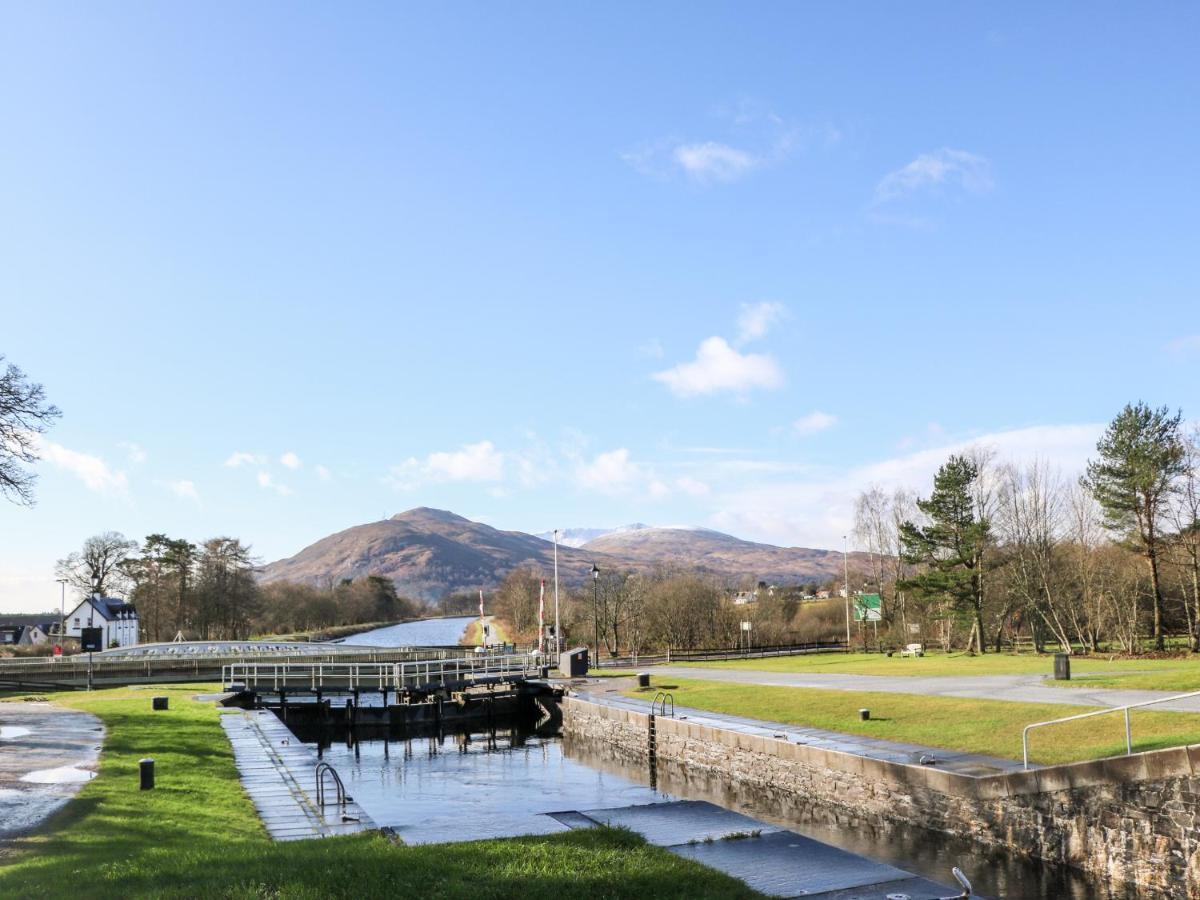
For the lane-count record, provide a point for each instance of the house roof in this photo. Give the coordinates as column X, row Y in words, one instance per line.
column 109, row 607
column 39, row 619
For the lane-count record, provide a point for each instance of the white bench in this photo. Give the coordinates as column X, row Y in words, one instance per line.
column 913, row 650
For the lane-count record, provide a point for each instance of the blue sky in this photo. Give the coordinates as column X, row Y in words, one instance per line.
column 289, row 268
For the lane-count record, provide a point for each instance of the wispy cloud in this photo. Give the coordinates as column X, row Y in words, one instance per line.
column 718, row 367
column 611, row 472
column 1184, row 346
column 185, row 490
column 946, row 167
column 323, row 473
column 134, row 452
column 290, row 460
column 756, row 319
column 713, row 161
column 814, row 422
column 480, row 462
column 241, row 458
column 268, row 483
column 94, row 472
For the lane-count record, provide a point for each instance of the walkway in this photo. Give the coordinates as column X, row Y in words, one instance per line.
column 872, row 748
column 775, row 862
column 1017, row 688
column 277, row 772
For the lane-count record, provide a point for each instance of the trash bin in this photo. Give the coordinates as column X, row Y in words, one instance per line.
column 1062, row 667
column 146, row 773
column 574, row 663
column 643, row 679
column 159, row 703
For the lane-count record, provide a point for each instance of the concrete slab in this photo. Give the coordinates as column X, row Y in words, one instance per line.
column 678, row 822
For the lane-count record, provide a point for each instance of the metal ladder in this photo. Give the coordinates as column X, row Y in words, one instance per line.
column 323, row 769
column 659, row 705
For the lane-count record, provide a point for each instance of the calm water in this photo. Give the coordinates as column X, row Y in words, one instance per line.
column 477, row 785
column 425, row 633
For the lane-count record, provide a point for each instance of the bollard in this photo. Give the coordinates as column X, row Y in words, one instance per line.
column 644, row 679
column 146, row 770
column 159, row 703
column 864, row 714
column 1062, row 667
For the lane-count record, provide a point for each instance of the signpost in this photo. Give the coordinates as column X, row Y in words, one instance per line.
column 91, row 640
column 746, row 626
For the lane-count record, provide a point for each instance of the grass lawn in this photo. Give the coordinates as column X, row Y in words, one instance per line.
column 1172, row 671
column 989, row 727
column 197, row 835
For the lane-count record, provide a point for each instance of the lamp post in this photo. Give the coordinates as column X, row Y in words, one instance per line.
column 557, row 638
column 596, row 607
column 846, row 569
column 62, row 613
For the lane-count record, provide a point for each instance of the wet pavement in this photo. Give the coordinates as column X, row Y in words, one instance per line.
column 872, row 748
column 46, row 754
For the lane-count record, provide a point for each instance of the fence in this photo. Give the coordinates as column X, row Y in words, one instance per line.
column 397, row 676
column 722, row 653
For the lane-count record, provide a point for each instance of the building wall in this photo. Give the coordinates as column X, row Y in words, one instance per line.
column 1132, row 819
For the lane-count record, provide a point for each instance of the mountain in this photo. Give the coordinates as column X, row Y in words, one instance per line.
column 714, row 553
column 431, row 552
column 428, row 553
column 577, row 537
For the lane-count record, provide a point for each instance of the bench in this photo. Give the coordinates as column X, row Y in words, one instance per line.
column 913, row 650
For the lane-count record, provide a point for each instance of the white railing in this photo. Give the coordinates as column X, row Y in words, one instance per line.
column 1102, row 712
column 376, row 676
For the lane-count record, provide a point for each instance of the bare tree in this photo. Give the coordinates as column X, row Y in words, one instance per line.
column 1184, row 515
column 97, row 568
column 24, row 414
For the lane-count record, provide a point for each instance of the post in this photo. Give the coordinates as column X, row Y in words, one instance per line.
column 1128, row 735
column 846, row 572
column 557, row 637
column 146, row 771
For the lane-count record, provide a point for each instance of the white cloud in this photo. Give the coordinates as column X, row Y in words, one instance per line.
column 1184, row 346
column 815, row 511
column 653, row 349
column 323, row 473
column 967, row 171
column 184, row 489
column 712, row 161
column 610, row 473
column 135, row 453
column 812, row 423
column 692, row 487
column 241, row 458
column 94, row 472
column 719, row 367
column 480, row 462
column 290, row 460
column 756, row 319
column 266, row 482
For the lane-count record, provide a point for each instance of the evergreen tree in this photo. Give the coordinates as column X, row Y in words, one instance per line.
column 950, row 549
column 1142, row 456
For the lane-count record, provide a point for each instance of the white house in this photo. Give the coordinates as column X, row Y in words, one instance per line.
column 117, row 619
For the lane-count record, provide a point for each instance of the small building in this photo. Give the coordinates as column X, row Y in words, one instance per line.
column 26, row 631
column 117, row 620
column 741, row 598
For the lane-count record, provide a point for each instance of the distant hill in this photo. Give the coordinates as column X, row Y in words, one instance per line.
column 714, row 553
column 431, row 552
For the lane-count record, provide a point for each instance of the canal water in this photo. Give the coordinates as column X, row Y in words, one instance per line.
column 478, row 784
column 424, row 633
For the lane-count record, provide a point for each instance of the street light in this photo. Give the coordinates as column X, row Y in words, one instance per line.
column 596, row 607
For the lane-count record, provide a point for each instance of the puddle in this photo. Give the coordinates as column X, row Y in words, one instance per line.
column 61, row 775
column 12, row 732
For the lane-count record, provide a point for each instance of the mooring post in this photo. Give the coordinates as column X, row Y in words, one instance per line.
column 146, row 772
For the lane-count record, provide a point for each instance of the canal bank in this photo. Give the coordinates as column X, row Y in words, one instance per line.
column 1129, row 821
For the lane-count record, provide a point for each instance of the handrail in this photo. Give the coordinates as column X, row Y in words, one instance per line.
column 323, row 769
column 665, row 697
column 379, row 676
column 1101, row 712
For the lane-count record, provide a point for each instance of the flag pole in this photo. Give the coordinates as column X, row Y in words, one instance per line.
column 542, row 618
column 557, row 636
column 482, row 622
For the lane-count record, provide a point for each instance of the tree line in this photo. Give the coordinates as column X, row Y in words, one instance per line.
column 209, row 590
column 1002, row 552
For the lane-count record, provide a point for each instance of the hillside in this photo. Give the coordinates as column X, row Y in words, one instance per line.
column 714, row 553
column 430, row 553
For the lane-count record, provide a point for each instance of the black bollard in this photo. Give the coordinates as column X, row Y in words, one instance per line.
column 146, row 770
column 159, row 703
column 864, row 714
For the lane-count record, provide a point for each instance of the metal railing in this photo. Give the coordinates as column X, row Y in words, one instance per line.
column 377, row 676
column 708, row 654
column 658, row 707
column 1101, row 712
column 323, row 769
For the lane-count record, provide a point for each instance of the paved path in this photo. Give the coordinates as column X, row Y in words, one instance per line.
column 771, row 860
column 859, row 745
column 46, row 754
column 1021, row 688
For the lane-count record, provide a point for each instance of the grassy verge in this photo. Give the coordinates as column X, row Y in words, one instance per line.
column 1173, row 669
column 988, row 727
column 500, row 633
column 197, row 835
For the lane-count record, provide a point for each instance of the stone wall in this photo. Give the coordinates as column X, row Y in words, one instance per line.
column 1129, row 819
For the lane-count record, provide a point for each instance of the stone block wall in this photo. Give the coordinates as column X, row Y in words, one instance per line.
column 1129, row 819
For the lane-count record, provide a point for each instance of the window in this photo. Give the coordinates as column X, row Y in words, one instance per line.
column 77, row 620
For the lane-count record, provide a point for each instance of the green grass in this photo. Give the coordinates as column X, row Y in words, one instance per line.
column 988, row 727
column 1173, row 669
column 197, row 835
